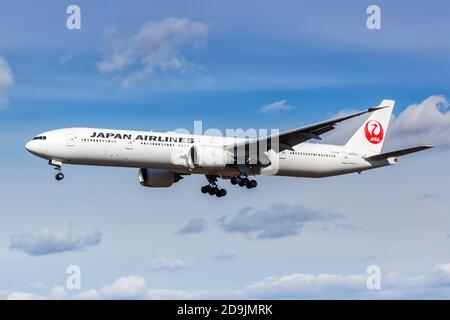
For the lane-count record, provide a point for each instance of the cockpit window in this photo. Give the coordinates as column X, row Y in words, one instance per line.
column 40, row 138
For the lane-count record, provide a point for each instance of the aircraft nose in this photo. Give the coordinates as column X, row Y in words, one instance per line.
column 35, row 147
column 29, row 146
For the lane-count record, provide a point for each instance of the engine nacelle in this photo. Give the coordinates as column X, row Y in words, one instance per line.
column 210, row 157
column 158, row 178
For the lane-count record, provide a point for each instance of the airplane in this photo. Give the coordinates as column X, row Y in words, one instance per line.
column 164, row 158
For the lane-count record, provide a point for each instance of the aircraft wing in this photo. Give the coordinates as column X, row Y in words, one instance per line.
column 398, row 153
column 290, row 138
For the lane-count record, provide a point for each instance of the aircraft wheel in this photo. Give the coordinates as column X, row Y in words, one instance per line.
column 59, row 176
column 221, row 193
column 234, row 180
column 252, row 183
column 215, row 190
column 205, row 189
column 243, row 182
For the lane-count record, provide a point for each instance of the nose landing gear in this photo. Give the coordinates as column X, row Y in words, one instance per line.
column 57, row 165
column 59, row 176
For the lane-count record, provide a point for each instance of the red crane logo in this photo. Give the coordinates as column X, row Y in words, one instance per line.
column 374, row 131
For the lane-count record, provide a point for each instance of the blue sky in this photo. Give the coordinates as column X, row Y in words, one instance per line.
column 225, row 62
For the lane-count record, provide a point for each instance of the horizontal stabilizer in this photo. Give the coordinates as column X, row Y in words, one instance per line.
column 398, row 153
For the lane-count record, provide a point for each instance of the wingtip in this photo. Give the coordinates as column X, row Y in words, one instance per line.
column 376, row 108
column 386, row 103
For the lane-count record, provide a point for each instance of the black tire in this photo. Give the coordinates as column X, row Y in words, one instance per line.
column 244, row 182
column 216, row 190
column 222, row 192
column 253, row 183
column 204, row 189
column 234, row 180
column 59, row 176
column 211, row 191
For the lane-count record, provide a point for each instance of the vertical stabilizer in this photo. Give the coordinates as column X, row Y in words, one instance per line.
column 369, row 138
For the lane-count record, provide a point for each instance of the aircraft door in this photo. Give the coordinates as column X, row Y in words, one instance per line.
column 70, row 140
column 344, row 157
column 129, row 145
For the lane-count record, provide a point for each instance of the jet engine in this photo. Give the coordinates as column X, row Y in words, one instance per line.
column 158, row 178
column 210, row 157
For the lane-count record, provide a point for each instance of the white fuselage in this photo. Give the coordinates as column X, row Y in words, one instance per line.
column 148, row 149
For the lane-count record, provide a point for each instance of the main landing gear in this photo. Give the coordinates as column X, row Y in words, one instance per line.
column 244, row 181
column 57, row 165
column 212, row 188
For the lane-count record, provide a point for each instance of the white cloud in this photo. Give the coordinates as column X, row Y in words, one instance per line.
column 170, row 294
column 434, row 284
column 307, row 286
column 23, row 296
column 91, row 294
column 280, row 105
column 166, row 264
column 58, row 292
column 427, row 122
column 127, row 287
column 134, row 287
column 196, row 225
column 275, row 221
column 49, row 241
column 6, row 80
column 430, row 285
column 155, row 48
